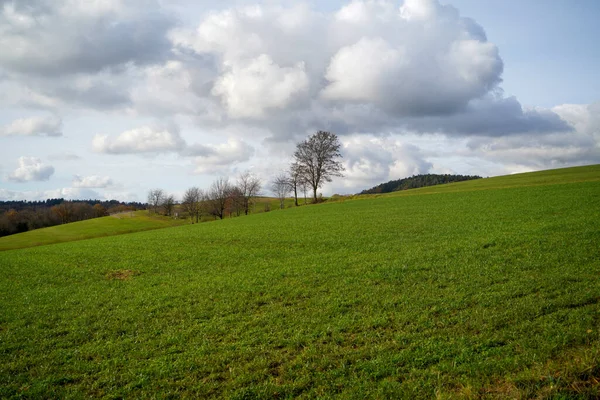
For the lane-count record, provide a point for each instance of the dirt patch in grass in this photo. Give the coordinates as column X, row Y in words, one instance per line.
column 121, row 274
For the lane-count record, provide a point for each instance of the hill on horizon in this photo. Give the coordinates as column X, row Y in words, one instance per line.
column 418, row 181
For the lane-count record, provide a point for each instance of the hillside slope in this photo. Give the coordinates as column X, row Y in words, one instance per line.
column 417, row 181
column 486, row 292
column 117, row 224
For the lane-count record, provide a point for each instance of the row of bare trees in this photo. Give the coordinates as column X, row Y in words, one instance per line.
column 316, row 161
column 222, row 198
column 158, row 199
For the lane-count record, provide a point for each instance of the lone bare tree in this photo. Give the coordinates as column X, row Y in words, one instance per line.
column 296, row 180
column 249, row 187
column 218, row 196
column 281, row 187
column 155, row 198
column 168, row 204
column 235, row 201
column 191, row 203
column 317, row 157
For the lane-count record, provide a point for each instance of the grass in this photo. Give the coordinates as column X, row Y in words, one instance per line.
column 117, row 224
column 549, row 177
column 464, row 294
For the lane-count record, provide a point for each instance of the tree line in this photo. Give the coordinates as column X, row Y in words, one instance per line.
column 315, row 161
column 221, row 199
column 418, row 181
column 22, row 216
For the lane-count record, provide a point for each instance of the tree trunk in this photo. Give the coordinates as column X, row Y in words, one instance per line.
column 315, row 193
column 296, row 195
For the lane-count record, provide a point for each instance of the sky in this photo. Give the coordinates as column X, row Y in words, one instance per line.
column 107, row 99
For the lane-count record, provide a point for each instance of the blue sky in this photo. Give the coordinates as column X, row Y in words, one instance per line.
column 108, row 99
column 549, row 47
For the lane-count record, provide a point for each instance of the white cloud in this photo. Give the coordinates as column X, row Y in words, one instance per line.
column 362, row 71
column 584, row 117
column 92, row 181
column 289, row 69
column 221, row 157
column 252, row 89
column 176, row 87
column 418, row 9
column 33, row 126
column 370, row 67
column 369, row 159
column 578, row 146
column 31, row 169
column 424, row 60
column 146, row 139
column 37, row 37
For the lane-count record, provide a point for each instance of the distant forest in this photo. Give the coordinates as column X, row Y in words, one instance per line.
column 22, row 216
column 418, row 181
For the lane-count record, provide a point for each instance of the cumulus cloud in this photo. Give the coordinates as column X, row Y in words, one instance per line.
column 31, row 169
column 372, row 66
column 177, row 87
column 423, row 60
column 375, row 67
column 146, row 139
column 491, row 116
column 92, row 181
column 33, row 126
column 253, row 88
column 37, row 37
column 207, row 158
column 584, row 117
column 221, row 157
column 47, row 66
column 577, row 146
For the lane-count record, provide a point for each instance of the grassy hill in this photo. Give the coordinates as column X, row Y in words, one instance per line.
column 486, row 288
column 117, row 224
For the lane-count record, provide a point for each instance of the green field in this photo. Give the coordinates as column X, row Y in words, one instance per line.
column 480, row 289
column 117, row 224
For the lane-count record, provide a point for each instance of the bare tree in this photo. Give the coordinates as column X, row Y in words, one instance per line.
column 296, row 180
column 155, row 198
column 249, row 187
column 317, row 157
column 218, row 196
column 281, row 187
column 235, row 202
column 192, row 199
column 168, row 204
column 304, row 188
